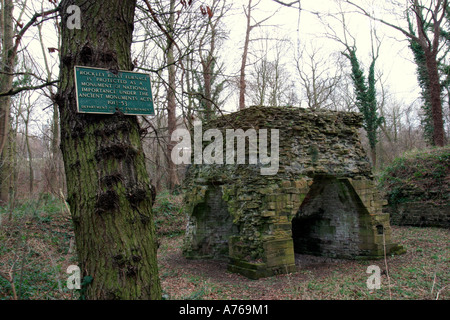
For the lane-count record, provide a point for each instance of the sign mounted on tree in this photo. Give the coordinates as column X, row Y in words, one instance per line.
column 106, row 91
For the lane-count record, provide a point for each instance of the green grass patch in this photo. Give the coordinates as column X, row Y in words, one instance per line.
column 34, row 250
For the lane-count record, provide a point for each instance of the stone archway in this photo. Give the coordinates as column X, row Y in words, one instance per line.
column 213, row 227
column 328, row 222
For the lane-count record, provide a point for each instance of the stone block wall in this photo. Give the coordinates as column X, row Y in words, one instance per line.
column 419, row 214
column 213, row 226
column 417, row 186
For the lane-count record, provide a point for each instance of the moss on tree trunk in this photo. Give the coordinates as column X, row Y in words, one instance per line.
column 107, row 182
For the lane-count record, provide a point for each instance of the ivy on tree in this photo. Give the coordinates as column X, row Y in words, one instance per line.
column 366, row 99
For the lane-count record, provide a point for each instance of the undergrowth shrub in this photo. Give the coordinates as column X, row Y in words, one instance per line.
column 421, row 175
column 168, row 214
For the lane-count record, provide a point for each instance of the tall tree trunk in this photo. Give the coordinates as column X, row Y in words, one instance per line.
column 6, row 78
column 207, row 73
column 55, row 157
column 435, row 99
column 30, row 155
column 107, row 182
column 206, row 65
column 7, row 68
column 430, row 49
column 171, row 102
column 242, row 83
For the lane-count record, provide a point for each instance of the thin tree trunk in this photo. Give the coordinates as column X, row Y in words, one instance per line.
column 5, row 173
column 55, row 158
column 242, row 83
column 171, row 102
column 30, row 156
column 189, row 88
column 207, row 82
column 107, row 183
column 206, row 66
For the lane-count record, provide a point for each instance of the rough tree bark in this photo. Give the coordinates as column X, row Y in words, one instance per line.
column 431, row 49
column 435, row 97
column 8, row 56
column 107, row 182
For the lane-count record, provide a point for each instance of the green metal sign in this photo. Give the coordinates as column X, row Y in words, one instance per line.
column 104, row 91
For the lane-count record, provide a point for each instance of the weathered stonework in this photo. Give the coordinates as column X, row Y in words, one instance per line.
column 322, row 200
column 417, row 186
column 419, row 214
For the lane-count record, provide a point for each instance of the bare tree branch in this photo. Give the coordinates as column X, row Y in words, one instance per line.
column 30, row 23
column 290, row 4
column 14, row 91
column 367, row 14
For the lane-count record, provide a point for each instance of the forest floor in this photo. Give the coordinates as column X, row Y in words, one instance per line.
column 36, row 247
column 422, row 273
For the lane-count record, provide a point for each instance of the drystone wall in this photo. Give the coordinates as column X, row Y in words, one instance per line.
column 322, row 200
column 419, row 214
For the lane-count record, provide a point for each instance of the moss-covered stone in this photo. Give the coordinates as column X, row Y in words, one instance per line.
column 324, row 184
column 417, row 187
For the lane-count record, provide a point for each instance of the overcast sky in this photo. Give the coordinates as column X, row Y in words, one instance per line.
column 395, row 59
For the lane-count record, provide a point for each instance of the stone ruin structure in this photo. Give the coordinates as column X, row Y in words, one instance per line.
column 322, row 201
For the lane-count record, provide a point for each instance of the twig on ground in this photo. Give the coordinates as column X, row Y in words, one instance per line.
column 10, row 279
column 439, row 292
column 386, row 265
column 434, row 282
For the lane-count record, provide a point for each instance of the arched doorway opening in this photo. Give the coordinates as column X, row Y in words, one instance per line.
column 328, row 220
column 214, row 226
